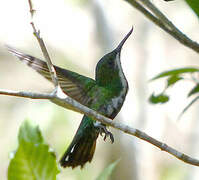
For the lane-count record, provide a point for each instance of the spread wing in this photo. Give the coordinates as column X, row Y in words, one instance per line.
column 73, row 84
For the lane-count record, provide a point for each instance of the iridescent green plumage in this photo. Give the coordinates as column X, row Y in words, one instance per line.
column 105, row 94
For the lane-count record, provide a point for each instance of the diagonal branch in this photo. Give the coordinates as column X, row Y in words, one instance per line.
column 32, row 11
column 44, row 49
column 75, row 106
column 163, row 22
column 149, row 15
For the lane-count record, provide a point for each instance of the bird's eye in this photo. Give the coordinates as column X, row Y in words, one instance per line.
column 110, row 63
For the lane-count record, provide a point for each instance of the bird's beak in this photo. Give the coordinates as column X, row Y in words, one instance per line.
column 119, row 47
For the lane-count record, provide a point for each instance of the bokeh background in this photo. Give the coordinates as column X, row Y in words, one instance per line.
column 78, row 33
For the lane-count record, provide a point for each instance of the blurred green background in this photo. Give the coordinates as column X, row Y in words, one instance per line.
column 77, row 34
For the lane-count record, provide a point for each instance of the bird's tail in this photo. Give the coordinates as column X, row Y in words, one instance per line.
column 82, row 148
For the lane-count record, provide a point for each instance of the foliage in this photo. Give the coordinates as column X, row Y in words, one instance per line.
column 194, row 4
column 33, row 158
column 174, row 76
column 160, row 98
column 176, row 72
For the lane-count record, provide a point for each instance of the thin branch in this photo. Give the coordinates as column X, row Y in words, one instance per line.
column 32, row 11
column 70, row 103
column 157, row 12
column 175, row 31
column 163, row 22
column 188, row 106
column 149, row 15
column 30, row 95
column 44, row 50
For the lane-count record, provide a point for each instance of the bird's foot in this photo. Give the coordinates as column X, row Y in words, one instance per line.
column 102, row 129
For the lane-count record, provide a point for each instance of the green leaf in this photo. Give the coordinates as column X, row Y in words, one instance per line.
column 105, row 174
column 161, row 98
column 33, row 159
column 175, row 72
column 188, row 106
column 194, row 4
column 29, row 133
column 194, row 90
column 173, row 79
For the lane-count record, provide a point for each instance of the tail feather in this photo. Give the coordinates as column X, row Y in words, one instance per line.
column 82, row 148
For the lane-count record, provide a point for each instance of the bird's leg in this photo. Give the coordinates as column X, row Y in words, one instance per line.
column 102, row 129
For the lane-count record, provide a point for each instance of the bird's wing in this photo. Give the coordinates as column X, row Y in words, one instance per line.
column 73, row 84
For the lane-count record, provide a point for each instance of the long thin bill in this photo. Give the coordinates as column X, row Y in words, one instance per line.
column 119, row 47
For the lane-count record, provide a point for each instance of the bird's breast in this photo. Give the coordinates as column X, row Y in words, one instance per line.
column 111, row 106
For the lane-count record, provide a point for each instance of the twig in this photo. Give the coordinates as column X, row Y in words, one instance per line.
column 163, row 22
column 44, row 51
column 32, row 11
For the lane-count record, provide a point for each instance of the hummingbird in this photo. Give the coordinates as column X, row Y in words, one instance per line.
column 106, row 95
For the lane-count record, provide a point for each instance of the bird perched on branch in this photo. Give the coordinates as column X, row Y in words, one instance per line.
column 105, row 94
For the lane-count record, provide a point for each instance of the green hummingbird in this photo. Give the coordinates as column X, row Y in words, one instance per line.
column 105, row 94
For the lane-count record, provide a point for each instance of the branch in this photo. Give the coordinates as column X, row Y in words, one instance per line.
column 44, row 49
column 64, row 101
column 30, row 95
column 163, row 22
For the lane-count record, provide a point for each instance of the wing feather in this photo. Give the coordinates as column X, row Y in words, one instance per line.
column 73, row 84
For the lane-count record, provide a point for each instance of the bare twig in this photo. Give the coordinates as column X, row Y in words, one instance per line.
column 163, row 22
column 32, row 11
column 44, row 51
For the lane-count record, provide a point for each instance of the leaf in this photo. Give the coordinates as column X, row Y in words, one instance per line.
column 33, row 159
column 29, row 133
column 194, row 90
column 161, row 98
column 194, row 4
column 175, row 72
column 173, row 79
column 105, row 174
column 188, row 106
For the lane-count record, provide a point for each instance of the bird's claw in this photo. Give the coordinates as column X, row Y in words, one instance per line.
column 102, row 129
column 108, row 133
